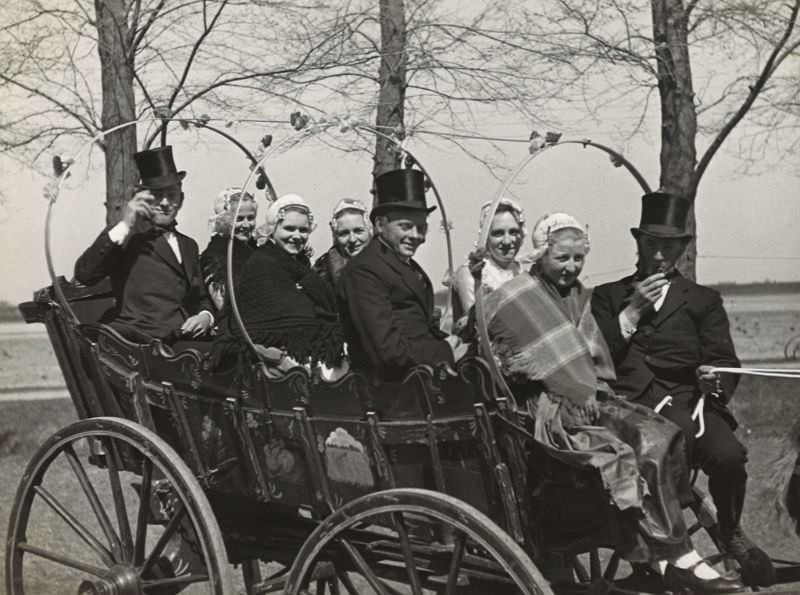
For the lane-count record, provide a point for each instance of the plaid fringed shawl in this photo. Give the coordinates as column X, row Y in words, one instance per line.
column 539, row 335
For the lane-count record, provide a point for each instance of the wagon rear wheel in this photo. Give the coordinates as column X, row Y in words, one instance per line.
column 107, row 507
column 414, row 541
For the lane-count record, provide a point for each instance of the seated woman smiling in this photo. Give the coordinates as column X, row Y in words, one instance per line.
column 499, row 257
column 231, row 203
column 289, row 311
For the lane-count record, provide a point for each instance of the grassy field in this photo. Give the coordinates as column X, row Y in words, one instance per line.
column 28, row 360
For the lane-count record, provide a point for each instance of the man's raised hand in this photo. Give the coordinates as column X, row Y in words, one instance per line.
column 138, row 207
column 646, row 294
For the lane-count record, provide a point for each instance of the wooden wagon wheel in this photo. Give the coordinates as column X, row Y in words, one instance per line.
column 133, row 521
column 373, row 546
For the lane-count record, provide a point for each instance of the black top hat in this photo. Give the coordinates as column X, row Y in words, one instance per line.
column 157, row 168
column 664, row 215
column 399, row 189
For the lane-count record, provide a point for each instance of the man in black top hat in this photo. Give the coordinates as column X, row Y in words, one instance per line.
column 386, row 299
column 154, row 269
column 666, row 334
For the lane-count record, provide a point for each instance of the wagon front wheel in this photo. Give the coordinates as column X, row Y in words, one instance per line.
column 414, row 541
column 107, row 507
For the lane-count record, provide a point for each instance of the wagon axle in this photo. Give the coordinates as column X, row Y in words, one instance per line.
column 120, row 580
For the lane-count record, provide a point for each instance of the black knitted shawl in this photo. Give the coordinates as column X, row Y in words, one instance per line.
column 284, row 303
column 214, row 259
column 329, row 266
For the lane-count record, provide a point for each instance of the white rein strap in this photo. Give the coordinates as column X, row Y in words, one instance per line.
column 770, row 372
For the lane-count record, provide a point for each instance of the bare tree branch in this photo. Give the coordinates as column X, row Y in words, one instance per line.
column 777, row 55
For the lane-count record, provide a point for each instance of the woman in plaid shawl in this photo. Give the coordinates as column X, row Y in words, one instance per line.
column 551, row 350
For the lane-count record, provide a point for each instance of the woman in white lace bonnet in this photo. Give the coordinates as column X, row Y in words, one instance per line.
column 214, row 259
column 351, row 230
column 498, row 258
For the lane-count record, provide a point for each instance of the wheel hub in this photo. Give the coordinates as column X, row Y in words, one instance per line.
column 119, row 580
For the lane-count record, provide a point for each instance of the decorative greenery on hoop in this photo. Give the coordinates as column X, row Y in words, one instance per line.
column 537, row 146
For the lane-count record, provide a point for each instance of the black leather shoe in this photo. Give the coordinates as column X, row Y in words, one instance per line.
column 756, row 566
column 685, row 581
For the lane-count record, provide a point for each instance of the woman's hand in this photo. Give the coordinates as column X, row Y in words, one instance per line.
column 476, row 261
column 591, row 410
column 270, row 355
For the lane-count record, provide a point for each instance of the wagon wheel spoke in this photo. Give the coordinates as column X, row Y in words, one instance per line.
column 580, row 570
column 613, row 566
column 594, row 564
column 459, row 548
column 347, row 582
column 408, row 553
column 63, row 560
column 169, row 531
column 376, row 583
column 82, row 532
column 112, row 457
column 325, row 585
column 141, row 516
column 177, row 581
column 94, row 501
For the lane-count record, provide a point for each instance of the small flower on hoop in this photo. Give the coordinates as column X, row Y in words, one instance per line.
column 298, row 120
column 537, row 142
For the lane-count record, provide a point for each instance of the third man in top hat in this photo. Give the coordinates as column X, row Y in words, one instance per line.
column 386, row 299
column 666, row 334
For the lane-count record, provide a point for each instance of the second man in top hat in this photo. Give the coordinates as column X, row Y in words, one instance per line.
column 666, row 333
column 154, row 269
column 386, row 299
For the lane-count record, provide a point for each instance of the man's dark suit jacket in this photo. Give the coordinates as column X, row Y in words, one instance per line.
column 154, row 293
column 387, row 312
column 690, row 329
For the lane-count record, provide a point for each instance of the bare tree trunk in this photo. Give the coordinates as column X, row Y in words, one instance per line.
column 392, row 76
column 678, row 116
column 116, row 61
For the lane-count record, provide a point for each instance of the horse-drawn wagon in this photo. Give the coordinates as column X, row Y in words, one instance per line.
column 174, row 471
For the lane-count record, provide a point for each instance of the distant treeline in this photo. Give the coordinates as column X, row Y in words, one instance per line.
column 758, row 288
column 9, row 312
